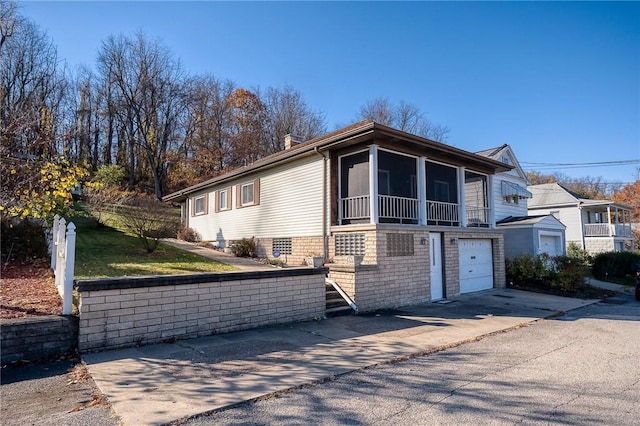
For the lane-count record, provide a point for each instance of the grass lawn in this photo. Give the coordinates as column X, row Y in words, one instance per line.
column 110, row 252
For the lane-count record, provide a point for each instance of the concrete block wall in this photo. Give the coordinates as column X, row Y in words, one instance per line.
column 595, row 245
column 123, row 312
column 36, row 338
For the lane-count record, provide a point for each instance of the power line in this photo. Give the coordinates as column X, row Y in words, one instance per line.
column 547, row 166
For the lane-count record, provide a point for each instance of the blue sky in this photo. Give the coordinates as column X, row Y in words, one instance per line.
column 558, row 81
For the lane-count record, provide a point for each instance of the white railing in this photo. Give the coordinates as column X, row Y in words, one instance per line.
column 397, row 207
column 63, row 254
column 477, row 216
column 606, row 230
column 354, row 207
column 443, row 213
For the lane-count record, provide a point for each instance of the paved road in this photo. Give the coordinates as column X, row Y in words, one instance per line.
column 582, row 368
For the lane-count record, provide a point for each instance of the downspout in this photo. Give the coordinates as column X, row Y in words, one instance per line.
column 584, row 244
column 325, row 236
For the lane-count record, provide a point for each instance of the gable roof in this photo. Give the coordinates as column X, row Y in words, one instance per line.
column 500, row 152
column 515, row 221
column 554, row 194
column 348, row 136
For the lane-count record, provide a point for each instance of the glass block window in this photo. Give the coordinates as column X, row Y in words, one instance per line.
column 350, row 244
column 399, row 245
column 283, row 245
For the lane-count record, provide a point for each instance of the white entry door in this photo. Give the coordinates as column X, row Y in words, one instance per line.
column 476, row 265
column 435, row 260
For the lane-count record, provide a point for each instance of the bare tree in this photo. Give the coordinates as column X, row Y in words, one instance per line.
column 32, row 87
column 405, row 116
column 288, row 113
column 151, row 98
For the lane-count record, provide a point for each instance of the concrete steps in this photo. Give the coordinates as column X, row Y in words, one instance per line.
column 336, row 305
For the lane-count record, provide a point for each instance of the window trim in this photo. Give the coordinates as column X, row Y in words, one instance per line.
column 205, row 205
column 227, row 199
column 256, row 194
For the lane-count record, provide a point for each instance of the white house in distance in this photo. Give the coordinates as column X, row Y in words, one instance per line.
column 419, row 212
column 523, row 234
column 594, row 225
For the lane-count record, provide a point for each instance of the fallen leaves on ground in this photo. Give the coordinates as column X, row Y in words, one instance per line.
column 27, row 289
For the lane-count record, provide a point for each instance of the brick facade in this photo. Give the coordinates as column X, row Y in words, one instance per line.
column 385, row 281
column 123, row 312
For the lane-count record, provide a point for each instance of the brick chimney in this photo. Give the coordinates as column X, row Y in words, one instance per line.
column 291, row 141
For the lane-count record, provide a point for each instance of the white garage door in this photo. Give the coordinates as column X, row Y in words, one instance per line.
column 550, row 244
column 476, row 265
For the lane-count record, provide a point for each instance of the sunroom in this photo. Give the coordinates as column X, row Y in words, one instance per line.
column 380, row 185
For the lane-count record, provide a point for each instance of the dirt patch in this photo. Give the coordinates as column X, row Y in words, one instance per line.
column 27, row 289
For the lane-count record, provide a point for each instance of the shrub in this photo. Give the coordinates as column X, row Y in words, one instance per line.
column 612, row 265
column 23, row 239
column 188, row 234
column 575, row 252
column 246, row 247
column 570, row 273
column 148, row 219
column 527, row 269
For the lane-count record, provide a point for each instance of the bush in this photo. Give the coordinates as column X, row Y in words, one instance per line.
column 188, row 234
column 565, row 273
column 611, row 265
column 23, row 239
column 246, row 247
column 527, row 269
column 570, row 273
column 148, row 219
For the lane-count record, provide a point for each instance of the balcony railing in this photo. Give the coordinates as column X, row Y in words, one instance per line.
column 441, row 213
column 354, row 207
column 606, row 230
column 391, row 207
column 478, row 216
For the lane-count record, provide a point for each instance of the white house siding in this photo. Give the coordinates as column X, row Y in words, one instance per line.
column 502, row 208
column 570, row 217
column 290, row 205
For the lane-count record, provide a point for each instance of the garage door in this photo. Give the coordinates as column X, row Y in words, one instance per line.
column 550, row 244
column 476, row 265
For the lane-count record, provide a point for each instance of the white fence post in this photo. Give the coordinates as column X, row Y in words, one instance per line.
column 70, row 256
column 63, row 256
column 54, row 242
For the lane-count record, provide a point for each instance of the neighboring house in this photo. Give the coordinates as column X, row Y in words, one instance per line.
column 594, row 225
column 523, row 234
column 419, row 212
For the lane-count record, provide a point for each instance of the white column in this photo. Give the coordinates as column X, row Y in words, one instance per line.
column 373, row 184
column 490, row 204
column 462, row 203
column 609, row 221
column 422, row 190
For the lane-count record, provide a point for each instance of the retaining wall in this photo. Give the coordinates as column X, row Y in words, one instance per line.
column 36, row 338
column 124, row 312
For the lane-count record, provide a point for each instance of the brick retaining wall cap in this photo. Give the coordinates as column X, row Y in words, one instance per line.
column 183, row 279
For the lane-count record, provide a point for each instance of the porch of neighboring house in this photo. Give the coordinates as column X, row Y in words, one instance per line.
column 610, row 221
column 380, row 186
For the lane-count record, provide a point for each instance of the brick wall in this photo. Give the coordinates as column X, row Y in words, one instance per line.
column 38, row 337
column 385, row 281
column 595, row 245
column 123, row 312
column 301, row 247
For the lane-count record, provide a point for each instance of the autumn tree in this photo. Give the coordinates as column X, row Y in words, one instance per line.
column 630, row 196
column 404, row 116
column 589, row 187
